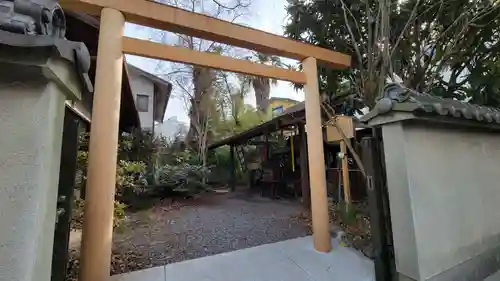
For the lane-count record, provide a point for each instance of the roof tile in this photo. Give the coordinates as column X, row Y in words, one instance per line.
column 399, row 99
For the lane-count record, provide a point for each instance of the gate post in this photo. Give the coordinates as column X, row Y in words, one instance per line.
column 100, row 192
column 316, row 156
column 66, row 187
column 379, row 215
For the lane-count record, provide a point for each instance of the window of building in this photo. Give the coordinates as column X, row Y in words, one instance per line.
column 142, row 103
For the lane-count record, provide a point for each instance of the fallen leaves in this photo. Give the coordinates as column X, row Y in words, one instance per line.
column 355, row 225
column 120, row 263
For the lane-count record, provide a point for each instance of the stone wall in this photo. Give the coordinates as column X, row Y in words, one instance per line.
column 31, row 117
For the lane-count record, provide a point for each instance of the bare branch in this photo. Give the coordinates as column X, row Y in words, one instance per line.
column 239, row 5
column 410, row 21
column 356, row 23
column 354, row 42
column 186, row 91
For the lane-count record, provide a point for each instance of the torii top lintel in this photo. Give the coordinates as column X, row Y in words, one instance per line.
column 165, row 17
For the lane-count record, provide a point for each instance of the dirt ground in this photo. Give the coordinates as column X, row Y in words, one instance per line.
column 214, row 224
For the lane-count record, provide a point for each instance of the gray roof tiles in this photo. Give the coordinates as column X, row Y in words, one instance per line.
column 400, row 99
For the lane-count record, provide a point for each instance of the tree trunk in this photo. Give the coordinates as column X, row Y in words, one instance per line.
column 262, row 90
column 203, row 80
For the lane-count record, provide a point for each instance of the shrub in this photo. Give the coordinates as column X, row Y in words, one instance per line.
column 183, row 179
column 119, row 214
column 77, row 214
column 129, row 174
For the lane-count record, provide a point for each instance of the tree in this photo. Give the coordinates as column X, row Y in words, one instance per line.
column 430, row 46
column 485, row 90
column 234, row 115
column 262, row 85
column 197, row 84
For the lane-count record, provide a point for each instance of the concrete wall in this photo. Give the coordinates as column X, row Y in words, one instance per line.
column 31, row 124
column 444, row 190
column 143, row 86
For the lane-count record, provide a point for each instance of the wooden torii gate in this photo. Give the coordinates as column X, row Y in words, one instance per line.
column 98, row 216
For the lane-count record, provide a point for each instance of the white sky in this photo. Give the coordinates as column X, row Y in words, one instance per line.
column 266, row 15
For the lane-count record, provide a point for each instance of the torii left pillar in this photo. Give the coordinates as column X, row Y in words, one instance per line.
column 97, row 232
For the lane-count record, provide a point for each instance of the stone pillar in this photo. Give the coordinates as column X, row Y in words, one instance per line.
column 316, row 156
column 103, row 149
column 35, row 82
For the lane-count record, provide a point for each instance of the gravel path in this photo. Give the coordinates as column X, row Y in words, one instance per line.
column 206, row 227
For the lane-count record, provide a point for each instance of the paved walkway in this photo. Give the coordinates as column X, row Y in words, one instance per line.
column 290, row 260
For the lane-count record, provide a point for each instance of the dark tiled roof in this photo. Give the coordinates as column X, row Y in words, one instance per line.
column 399, row 99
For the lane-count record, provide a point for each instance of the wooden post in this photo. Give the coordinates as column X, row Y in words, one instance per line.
column 97, row 232
column 266, row 147
column 233, row 168
column 304, row 173
column 345, row 174
column 316, row 156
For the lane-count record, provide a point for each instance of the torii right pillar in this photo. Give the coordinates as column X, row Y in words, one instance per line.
column 316, row 156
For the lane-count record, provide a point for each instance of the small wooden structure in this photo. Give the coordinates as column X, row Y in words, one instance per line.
column 293, row 120
column 98, row 217
column 341, row 130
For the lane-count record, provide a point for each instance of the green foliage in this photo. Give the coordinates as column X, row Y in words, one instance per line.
column 184, row 178
column 348, row 212
column 129, row 175
column 245, row 118
column 118, row 213
column 221, row 157
column 141, row 146
column 148, row 168
column 184, row 156
column 181, row 173
column 448, row 48
column 78, row 208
